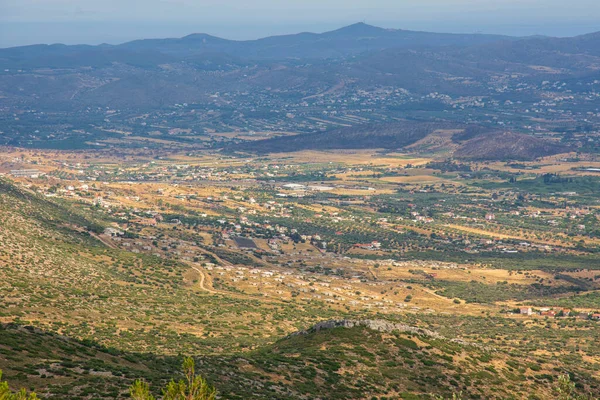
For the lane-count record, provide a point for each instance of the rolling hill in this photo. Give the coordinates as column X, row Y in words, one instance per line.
column 375, row 136
column 507, row 146
column 470, row 142
column 334, row 360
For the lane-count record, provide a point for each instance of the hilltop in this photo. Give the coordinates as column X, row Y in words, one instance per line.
column 467, row 142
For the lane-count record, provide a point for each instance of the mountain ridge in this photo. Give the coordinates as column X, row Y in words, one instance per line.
column 359, row 27
column 346, row 41
column 342, row 42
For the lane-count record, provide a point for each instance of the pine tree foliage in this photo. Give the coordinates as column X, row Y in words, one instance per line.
column 6, row 394
column 192, row 387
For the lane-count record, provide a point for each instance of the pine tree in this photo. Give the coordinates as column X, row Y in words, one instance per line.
column 193, row 387
column 6, row 394
column 140, row 390
column 565, row 390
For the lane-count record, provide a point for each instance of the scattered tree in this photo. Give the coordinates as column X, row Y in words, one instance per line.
column 565, row 390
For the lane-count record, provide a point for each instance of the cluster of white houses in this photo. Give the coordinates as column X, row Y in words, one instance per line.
column 558, row 312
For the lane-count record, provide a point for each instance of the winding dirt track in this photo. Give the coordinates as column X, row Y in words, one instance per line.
column 201, row 281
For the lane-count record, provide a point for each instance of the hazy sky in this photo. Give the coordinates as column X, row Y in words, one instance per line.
column 113, row 21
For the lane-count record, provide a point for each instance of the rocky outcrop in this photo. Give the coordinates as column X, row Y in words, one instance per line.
column 381, row 325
